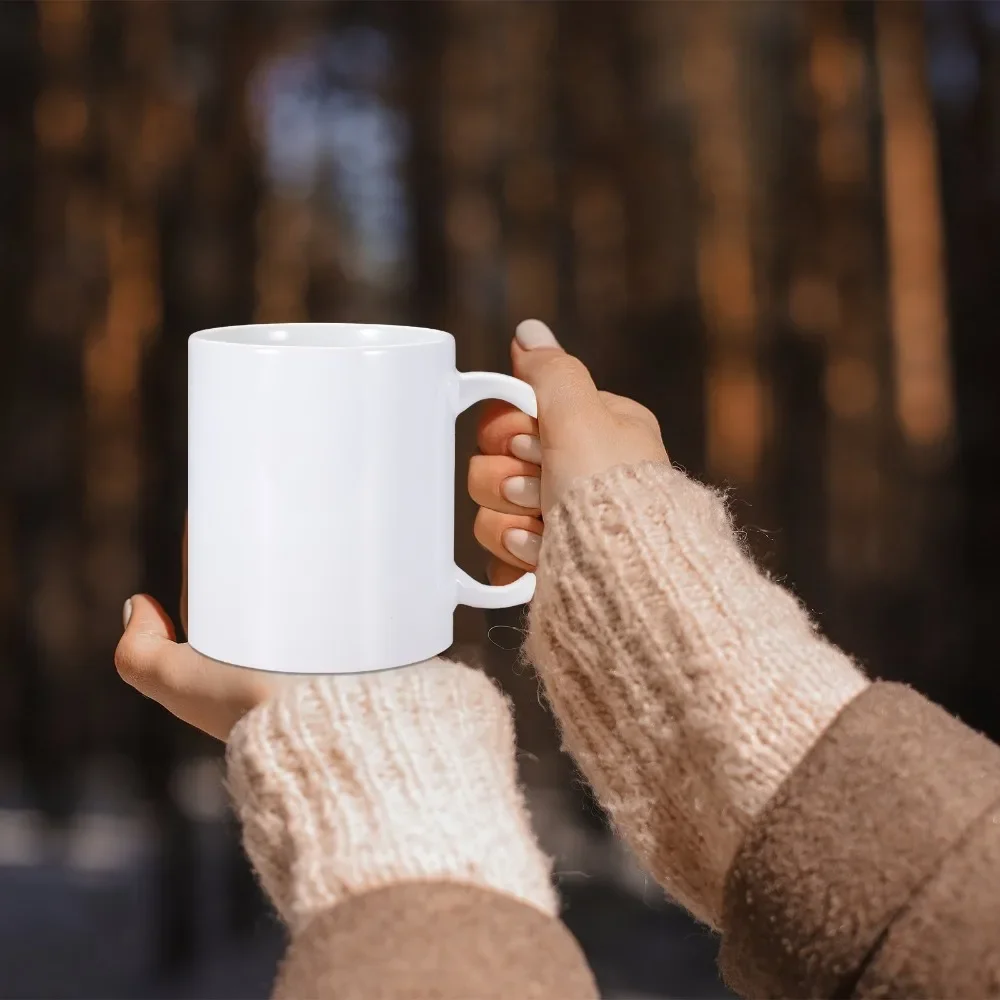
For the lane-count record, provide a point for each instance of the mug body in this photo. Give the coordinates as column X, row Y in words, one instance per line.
column 321, row 462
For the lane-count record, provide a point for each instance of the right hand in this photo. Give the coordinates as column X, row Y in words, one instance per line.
column 526, row 466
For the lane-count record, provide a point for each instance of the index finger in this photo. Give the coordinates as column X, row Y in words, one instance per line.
column 498, row 424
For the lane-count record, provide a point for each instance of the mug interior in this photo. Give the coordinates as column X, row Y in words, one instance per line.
column 328, row 335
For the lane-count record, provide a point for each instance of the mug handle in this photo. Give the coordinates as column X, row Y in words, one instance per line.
column 474, row 387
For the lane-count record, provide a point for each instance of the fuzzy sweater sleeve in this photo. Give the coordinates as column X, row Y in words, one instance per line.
column 383, row 816
column 687, row 684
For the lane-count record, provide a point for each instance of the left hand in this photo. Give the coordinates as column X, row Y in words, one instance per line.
column 204, row 693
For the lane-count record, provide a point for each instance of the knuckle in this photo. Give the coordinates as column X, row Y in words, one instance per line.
column 486, row 472
column 489, row 425
column 475, row 474
column 127, row 662
column 481, row 527
column 628, row 409
column 567, row 380
column 568, row 368
column 134, row 664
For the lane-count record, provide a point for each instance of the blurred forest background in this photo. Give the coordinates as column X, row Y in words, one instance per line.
column 775, row 223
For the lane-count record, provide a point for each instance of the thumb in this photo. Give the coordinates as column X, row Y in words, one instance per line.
column 147, row 646
column 565, row 391
column 204, row 693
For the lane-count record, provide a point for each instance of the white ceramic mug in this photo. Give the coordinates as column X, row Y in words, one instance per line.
column 321, row 504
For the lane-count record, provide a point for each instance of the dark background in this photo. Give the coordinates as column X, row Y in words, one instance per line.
column 777, row 224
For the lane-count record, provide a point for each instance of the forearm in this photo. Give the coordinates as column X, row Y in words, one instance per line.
column 350, row 787
column 686, row 683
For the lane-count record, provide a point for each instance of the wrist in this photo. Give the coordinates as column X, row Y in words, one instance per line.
column 347, row 784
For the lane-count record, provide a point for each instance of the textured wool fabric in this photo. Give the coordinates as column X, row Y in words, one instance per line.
column 347, row 784
column 434, row 941
column 877, row 859
column 946, row 942
column 687, row 685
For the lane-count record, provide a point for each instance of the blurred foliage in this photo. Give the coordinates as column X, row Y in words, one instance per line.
column 774, row 223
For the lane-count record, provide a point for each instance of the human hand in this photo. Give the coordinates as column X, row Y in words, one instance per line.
column 205, row 693
column 526, row 465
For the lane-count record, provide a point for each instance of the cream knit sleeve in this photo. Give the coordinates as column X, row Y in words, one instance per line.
column 686, row 683
column 348, row 784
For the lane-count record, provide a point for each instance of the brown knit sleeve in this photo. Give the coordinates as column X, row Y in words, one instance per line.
column 873, row 871
column 434, row 941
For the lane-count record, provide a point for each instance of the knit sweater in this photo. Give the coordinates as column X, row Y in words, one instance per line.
column 687, row 684
column 347, row 785
column 722, row 733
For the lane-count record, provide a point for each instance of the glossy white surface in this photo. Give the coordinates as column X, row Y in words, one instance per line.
column 321, row 466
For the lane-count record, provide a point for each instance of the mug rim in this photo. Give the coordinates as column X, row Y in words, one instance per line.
column 283, row 335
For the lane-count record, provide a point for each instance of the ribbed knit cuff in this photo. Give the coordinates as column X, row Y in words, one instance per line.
column 347, row 784
column 687, row 684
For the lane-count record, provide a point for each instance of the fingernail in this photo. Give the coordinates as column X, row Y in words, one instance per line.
column 527, row 448
column 525, row 491
column 126, row 613
column 534, row 333
column 523, row 544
